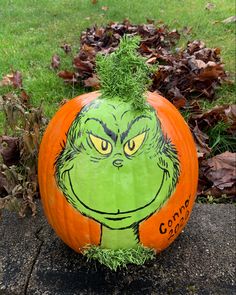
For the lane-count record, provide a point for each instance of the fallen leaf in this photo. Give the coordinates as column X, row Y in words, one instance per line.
column 209, row 118
column 201, row 140
column 210, row 6
column 6, row 80
column 84, row 67
column 211, row 71
column 24, row 97
column 92, row 82
column 13, row 79
column 3, row 185
column 66, row 47
column 152, row 60
column 55, row 62
column 105, row 8
column 17, row 79
column 221, row 171
column 178, row 99
column 231, row 19
column 10, row 150
column 67, row 76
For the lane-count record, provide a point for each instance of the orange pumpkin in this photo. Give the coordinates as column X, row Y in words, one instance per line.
column 76, row 228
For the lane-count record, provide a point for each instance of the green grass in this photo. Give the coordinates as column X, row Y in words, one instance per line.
column 220, row 140
column 32, row 31
column 115, row 259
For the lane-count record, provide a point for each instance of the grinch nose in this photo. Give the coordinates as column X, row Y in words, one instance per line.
column 118, row 163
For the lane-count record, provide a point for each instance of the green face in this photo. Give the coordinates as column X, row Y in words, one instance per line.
column 116, row 166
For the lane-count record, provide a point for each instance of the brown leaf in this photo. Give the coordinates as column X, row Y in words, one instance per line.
column 94, row 1
column 177, row 98
column 92, row 82
column 179, row 102
column 55, row 62
column 66, row 47
column 211, row 71
column 197, row 64
column 10, row 150
column 221, row 171
column 83, row 66
column 87, row 52
column 13, row 79
column 67, row 76
column 144, row 49
column 195, row 46
column 195, row 107
column 24, row 97
column 217, row 50
column 17, row 79
column 3, row 185
column 201, row 141
column 152, row 60
column 209, row 118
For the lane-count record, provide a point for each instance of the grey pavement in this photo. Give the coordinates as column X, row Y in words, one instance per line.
column 33, row 260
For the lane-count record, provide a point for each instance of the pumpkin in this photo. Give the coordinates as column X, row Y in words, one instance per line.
column 117, row 175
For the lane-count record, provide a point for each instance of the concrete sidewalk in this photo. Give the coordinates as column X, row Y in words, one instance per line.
column 201, row 261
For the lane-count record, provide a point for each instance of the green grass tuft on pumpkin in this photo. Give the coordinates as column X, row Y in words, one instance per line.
column 115, row 259
column 124, row 73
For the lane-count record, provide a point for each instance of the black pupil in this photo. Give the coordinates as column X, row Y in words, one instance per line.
column 104, row 145
column 131, row 145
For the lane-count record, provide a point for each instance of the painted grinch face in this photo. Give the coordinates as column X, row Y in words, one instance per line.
column 116, row 166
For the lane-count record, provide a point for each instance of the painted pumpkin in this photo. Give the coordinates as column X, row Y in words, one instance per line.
column 117, row 176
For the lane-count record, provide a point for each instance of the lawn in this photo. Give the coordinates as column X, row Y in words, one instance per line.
column 32, row 31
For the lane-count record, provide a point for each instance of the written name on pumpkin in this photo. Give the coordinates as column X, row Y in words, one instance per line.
column 176, row 222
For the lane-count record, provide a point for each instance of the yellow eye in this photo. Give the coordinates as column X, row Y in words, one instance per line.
column 134, row 144
column 103, row 146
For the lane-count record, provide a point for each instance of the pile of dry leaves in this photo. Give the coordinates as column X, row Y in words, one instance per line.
column 19, row 148
column 181, row 72
column 214, row 132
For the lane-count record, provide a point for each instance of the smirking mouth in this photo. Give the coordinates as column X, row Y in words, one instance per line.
column 116, row 216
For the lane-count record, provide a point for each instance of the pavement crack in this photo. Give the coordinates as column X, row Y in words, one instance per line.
column 37, row 235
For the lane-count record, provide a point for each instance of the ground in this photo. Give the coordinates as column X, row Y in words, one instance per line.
column 200, row 261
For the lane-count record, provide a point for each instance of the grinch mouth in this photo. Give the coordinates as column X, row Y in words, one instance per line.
column 165, row 174
column 117, row 218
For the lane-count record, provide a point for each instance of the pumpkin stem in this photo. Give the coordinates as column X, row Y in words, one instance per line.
column 124, row 73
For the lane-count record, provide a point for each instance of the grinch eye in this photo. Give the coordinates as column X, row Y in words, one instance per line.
column 134, row 144
column 103, row 146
